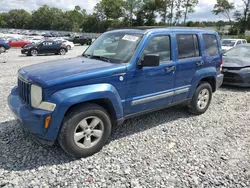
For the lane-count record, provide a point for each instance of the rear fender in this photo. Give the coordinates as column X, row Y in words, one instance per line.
column 66, row 98
column 199, row 75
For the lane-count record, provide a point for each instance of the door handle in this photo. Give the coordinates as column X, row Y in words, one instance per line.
column 169, row 69
column 199, row 63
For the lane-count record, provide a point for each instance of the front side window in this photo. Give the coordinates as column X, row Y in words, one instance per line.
column 211, row 45
column 159, row 45
column 188, row 46
column 117, row 47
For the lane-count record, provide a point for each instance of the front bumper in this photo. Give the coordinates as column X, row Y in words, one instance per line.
column 24, row 51
column 31, row 120
column 236, row 78
column 219, row 80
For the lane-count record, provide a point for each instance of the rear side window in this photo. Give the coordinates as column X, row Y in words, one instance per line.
column 239, row 42
column 211, row 45
column 188, row 46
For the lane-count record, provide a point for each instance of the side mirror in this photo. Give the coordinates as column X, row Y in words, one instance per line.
column 150, row 61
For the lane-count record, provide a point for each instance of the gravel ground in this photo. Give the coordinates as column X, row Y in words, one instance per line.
column 168, row 148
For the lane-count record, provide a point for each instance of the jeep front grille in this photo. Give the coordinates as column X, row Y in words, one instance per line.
column 24, row 91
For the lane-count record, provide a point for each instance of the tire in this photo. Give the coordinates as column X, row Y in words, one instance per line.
column 33, row 52
column 62, row 51
column 201, row 99
column 67, row 137
column 69, row 47
column 56, row 53
column 2, row 49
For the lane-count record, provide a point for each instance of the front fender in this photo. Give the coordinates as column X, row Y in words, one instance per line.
column 199, row 75
column 64, row 99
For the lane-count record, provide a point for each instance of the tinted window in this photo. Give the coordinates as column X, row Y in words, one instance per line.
column 188, row 46
column 159, row 45
column 211, row 45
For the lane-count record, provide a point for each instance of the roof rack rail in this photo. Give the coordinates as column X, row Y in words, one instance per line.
column 160, row 27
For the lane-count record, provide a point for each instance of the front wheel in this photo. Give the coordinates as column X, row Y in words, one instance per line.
column 85, row 130
column 33, row 52
column 201, row 99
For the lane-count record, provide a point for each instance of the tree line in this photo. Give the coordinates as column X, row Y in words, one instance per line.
column 106, row 14
column 241, row 18
column 122, row 13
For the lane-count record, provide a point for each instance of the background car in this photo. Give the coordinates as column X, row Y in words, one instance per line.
column 68, row 44
column 4, row 46
column 18, row 42
column 81, row 40
column 236, row 66
column 45, row 47
column 227, row 44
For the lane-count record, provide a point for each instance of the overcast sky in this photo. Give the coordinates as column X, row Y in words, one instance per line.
column 203, row 9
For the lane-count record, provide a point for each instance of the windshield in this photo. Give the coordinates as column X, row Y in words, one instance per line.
column 238, row 51
column 228, row 42
column 115, row 47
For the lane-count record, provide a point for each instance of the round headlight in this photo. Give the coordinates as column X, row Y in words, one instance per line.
column 36, row 95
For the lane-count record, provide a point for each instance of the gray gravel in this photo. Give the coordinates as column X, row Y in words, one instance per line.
column 168, row 148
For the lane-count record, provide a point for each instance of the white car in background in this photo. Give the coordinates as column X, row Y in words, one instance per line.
column 34, row 40
column 227, row 44
column 68, row 44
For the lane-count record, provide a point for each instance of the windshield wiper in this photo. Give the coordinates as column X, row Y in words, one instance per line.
column 86, row 55
column 101, row 58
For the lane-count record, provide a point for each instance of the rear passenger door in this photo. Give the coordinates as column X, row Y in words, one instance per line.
column 212, row 55
column 189, row 60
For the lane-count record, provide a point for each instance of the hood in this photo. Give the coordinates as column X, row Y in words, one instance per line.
column 236, row 62
column 226, row 47
column 69, row 70
column 29, row 45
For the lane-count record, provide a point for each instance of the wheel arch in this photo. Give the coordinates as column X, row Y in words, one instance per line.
column 104, row 95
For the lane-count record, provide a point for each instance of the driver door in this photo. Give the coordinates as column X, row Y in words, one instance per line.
column 152, row 87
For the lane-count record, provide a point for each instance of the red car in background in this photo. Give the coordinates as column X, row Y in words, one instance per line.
column 18, row 42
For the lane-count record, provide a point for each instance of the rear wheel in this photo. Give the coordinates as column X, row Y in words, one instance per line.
column 85, row 130
column 62, row 51
column 2, row 49
column 201, row 99
column 69, row 47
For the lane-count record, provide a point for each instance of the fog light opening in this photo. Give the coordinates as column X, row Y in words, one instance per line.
column 47, row 120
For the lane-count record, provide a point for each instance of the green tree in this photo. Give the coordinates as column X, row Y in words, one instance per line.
column 2, row 22
column 179, row 11
column 189, row 6
column 17, row 18
column 224, row 7
column 246, row 12
column 163, row 9
column 76, row 18
column 109, row 9
column 131, row 7
column 190, row 24
column 147, row 14
column 42, row 18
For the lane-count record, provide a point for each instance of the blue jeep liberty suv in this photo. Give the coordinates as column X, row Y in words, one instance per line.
column 124, row 73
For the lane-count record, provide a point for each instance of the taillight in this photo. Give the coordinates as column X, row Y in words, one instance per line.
column 221, row 65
